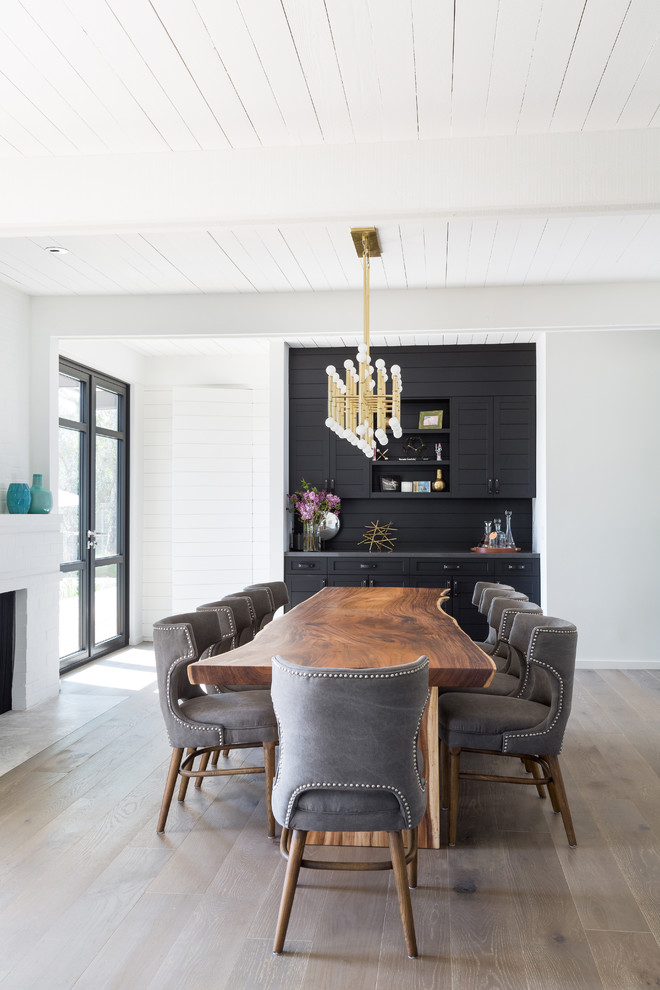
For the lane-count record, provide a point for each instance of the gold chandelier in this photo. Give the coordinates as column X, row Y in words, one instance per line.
column 360, row 408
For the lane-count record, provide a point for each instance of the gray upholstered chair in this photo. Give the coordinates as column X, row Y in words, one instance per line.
column 481, row 586
column 349, row 762
column 279, row 593
column 242, row 613
column 201, row 723
column 529, row 727
column 487, row 597
column 260, row 604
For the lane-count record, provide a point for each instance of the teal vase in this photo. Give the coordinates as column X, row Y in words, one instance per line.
column 42, row 500
column 18, row 498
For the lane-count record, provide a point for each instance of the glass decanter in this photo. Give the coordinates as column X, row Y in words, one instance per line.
column 498, row 541
column 485, row 539
column 509, row 541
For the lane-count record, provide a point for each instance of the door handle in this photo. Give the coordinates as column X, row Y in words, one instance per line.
column 451, row 567
column 92, row 542
column 366, row 567
column 497, row 486
column 364, row 583
column 490, row 486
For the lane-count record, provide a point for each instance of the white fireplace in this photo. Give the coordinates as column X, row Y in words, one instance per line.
column 29, row 566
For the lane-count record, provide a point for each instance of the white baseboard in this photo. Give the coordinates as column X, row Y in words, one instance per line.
column 617, row 664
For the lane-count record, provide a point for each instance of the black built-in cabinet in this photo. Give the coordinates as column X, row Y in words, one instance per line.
column 487, row 395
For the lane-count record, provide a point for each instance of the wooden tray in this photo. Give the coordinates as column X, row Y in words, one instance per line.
column 498, row 550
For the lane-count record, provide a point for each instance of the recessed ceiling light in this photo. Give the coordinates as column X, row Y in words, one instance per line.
column 56, row 250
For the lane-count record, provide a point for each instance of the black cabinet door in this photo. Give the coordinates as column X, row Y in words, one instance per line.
column 309, row 444
column 320, row 457
column 514, row 446
column 472, row 449
column 494, row 450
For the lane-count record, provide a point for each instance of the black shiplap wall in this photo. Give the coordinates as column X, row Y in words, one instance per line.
column 430, row 373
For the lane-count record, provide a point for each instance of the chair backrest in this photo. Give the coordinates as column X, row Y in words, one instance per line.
column 508, row 609
column 488, row 594
column 549, row 646
column 279, row 593
column 260, row 604
column 350, row 730
column 481, row 586
column 179, row 640
column 244, row 617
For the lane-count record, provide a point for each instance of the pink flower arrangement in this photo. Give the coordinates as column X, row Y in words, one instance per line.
column 312, row 504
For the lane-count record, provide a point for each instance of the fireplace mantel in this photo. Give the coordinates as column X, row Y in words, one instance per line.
column 29, row 565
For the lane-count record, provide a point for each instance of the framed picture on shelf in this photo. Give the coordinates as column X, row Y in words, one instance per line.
column 406, row 486
column 421, row 486
column 431, row 419
column 390, row 483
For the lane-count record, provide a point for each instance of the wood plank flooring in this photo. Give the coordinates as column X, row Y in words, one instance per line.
column 92, row 899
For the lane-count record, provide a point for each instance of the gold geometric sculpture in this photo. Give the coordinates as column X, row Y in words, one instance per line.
column 378, row 537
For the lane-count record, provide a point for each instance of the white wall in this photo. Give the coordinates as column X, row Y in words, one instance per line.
column 603, row 480
column 15, row 391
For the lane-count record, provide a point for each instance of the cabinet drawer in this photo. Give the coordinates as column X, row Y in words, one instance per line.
column 441, row 568
column 313, row 565
column 368, row 566
column 511, row 567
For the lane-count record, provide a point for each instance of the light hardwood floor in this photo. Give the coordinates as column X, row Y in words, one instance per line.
column 92, row 898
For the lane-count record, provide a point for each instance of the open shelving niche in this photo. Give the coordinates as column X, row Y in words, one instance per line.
column 419, row 469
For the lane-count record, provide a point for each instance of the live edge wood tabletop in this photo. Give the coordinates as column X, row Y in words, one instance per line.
column 365, row 627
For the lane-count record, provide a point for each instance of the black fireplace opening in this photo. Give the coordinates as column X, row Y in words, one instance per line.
column 7, row 637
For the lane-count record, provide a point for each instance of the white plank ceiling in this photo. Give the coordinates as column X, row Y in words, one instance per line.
column 138, row 77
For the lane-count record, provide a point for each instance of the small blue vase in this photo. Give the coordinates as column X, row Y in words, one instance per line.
column 18, row 497
column 41, row 500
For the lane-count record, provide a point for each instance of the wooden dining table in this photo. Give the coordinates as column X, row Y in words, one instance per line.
column 357, row 628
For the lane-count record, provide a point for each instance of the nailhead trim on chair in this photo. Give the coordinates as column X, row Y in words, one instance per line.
column 530, row 656
column 232, row 622
column 532, row 659
column 175, row 663
column 376, row 787
column 422, row 782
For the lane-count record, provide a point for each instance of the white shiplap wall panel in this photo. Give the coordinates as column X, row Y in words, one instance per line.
column 639, row 35
column 391, row 259
column 549, row 245
column 282, row 256
column 475, row 39
column 414, row 254
column 558, row 26
column 157, row 514
column 642, row 255
column 595, row 39
column 529, row 235
column 433, row 28
column 517, row 27
column 268, row 28
column 159, row 264
column 304, row 247
column 210, row 510
column 313, row 39
column 504, row 243
column 572, row 245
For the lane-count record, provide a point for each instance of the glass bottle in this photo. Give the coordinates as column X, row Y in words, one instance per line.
column 439, row 484
column 509, row 542
column 498, row 541
column 485, row 539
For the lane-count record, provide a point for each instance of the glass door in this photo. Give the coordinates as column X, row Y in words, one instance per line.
column 93, row 501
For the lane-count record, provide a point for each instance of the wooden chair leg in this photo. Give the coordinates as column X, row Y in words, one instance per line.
column 412, row 865
column 558, row 794
column 203, row 763
column 454, row 770
column 172, row 774
column 214, row 757
column 401, row 880
column 444, row 771
column 532, row 767
column 291, row 879
column 269, row 773
column 183, row 786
